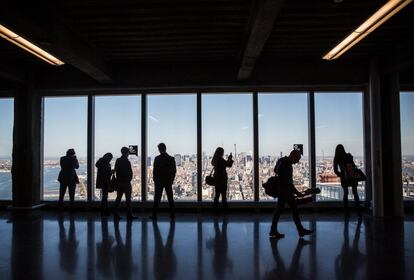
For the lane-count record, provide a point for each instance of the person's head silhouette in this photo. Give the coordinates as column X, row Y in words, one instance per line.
column 124, row 151
column 107, row 157
column 70, row 152
column 295, row 156
column 340, row 152
column 162, row 148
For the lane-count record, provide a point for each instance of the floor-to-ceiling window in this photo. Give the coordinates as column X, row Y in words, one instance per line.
column 6, row 145
column 283, row 122
column 227, row 122
column 65, row 127
column 338, row 120
column 172, row 120
column 117, row 125
column 407, row 143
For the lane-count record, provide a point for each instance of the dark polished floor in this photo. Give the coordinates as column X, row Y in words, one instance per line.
column 201, row 246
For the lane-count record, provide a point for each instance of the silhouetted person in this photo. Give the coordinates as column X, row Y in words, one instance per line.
column 68, row 177
column 350, row 259
column 342, row 160
column 123, row 171
column 219, row 245
column 220, row 176
column 103, row 251
column 103, row 180
column 287, row 192
column 294, row 271
column 164, row 175
column 122, row 253
column 165, row 261
column 68, row 246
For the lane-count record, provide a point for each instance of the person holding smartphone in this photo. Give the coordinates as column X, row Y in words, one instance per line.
column 68, row 177
column 220, row 176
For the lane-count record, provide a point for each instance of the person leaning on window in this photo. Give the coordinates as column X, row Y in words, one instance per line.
column 220, row 176
column 103, row 180
column 68, row 177
column 342, row 161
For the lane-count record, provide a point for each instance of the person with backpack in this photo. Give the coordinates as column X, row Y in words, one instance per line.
column 287, row 192
column 344, row 167
column 103, row 180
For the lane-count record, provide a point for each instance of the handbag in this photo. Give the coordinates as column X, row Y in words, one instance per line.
column 271, row 186
column 113, row 184
column 210, row 179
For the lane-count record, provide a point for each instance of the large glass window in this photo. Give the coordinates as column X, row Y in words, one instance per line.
column 6, row 145
column 117, row 125
column 338, row 120
column 283, row 122
column 172, row 119
column 407, row 143
column 227, row 121
column 65, row 127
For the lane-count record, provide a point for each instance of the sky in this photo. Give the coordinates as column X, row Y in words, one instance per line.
column 226, row 118
column 407, row 123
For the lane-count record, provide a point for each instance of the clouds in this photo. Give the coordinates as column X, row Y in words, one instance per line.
column 245, row 127
column 154, row 119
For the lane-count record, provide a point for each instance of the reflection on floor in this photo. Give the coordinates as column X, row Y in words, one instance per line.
column 200, row 246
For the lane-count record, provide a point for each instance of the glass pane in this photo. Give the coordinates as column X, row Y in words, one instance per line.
column 407, row 143
column 338, row 120
column 65, row 127
column 228, row 123
column 118, row 124
column 6, row 146
column 283, row 122
column 172, row 119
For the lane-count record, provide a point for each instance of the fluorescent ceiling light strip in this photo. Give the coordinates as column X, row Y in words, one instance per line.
column 379, row 17
column 28, row 46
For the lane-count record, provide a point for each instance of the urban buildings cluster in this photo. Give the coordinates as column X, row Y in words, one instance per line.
column 240, row 183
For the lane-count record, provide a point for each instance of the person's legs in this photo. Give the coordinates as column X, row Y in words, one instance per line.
column 72, row 195
column 291, row 201
column 295, row 212
column 104, row 202
column 170, row 196
column 157, row 198
column 62, row 191
column 224, row 197
column 128, row 193
column 356, row 198
column 119, row 194
column 345, row 189
column 280, row 205
column 216, row 196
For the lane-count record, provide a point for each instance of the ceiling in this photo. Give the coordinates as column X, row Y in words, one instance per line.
column 208, row 30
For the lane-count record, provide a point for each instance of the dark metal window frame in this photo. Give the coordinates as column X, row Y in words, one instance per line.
column 254, row 91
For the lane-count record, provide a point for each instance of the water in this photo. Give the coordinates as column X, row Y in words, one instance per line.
column 50, row 183
column 5, row 186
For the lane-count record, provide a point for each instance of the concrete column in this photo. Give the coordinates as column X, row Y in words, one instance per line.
column 376, row 139
column 391, row 145
column 26, row 147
